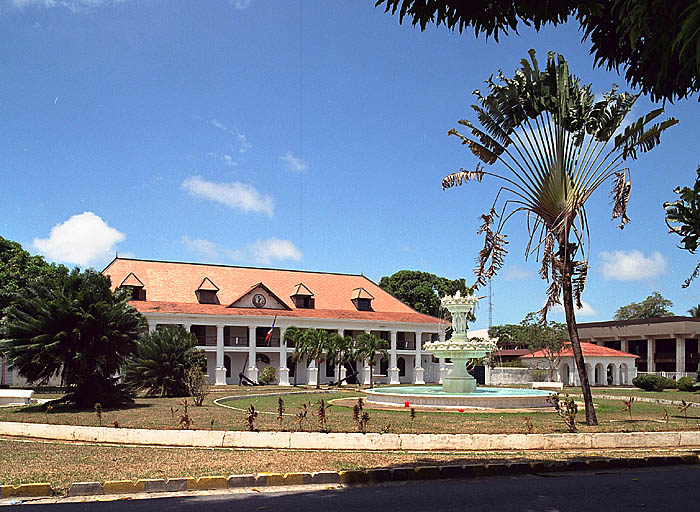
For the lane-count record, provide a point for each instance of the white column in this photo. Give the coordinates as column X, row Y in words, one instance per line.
column 651, row 364
column 220, row 371
column 342, row 373
column 186, row 326
column 624, row 346
column 680, row 354
column 252, row 370
column 417, row 365
column 366, row 370
column 152, row 326
column 312, row 372
column 283, row 371
column 393, row 368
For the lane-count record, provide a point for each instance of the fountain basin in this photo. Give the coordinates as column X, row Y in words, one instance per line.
column 435, row 396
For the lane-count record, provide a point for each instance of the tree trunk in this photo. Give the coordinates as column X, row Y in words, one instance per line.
column 567, row 295
column 318, row 374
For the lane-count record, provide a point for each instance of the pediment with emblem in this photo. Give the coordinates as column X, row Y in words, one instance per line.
column 259, row 297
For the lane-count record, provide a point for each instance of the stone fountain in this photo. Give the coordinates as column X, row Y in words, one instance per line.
column 459, row 348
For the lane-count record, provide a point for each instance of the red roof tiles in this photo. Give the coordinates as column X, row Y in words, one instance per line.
column 171, row 288
column 588, row 349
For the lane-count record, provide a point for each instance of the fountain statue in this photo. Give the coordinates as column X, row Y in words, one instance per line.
column 459, row 348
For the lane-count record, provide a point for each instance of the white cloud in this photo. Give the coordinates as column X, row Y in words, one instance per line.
column 586, row 310
column 294, row 163
column 632, row 265
column 261, row 252
column 515, row 273
column 241, row 4
column 201, row 246
column 273, row 249
column 82, row 239
column 226, row 159
column 242, row 142
column 235, row 195
column 72, row 5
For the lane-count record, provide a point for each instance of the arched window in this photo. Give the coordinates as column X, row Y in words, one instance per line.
column 227, row 364
column 401, row 363
column 383, row 366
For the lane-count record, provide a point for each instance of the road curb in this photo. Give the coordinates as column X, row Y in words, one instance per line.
column 347, row 477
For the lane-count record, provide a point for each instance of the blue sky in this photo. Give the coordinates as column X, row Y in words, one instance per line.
column 311, row 136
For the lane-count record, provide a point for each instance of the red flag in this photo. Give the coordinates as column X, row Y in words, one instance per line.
column 269, row 333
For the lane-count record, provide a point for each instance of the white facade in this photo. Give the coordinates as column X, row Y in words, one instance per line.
column 227, row 343
column 601, row 370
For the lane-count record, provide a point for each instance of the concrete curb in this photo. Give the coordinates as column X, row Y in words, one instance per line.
column 352, row 440
column 350, row 477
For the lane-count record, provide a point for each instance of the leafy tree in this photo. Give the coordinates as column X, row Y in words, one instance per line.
column 422, row 290
column 683, row 219
column 654, row 306
column 19, row 270
column 78, row 329
column 292, row 336
column 162, row 361
column 340, row 351
column 368, row 347
column 658, row 43
column 695, row 311
column 555, row 145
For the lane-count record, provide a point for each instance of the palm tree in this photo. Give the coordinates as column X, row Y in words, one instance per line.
column 78, row 328
column 312, row 345
column 556, row 145
column 368, row 347
column 162, row 361
column 695, row 311
column 341, row 350
column 292, row 335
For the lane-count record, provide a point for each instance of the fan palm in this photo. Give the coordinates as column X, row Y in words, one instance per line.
column 368, row 347
column 695, row 311
column 556, row 145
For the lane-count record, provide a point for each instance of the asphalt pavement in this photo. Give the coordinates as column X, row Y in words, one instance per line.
column 666, row 489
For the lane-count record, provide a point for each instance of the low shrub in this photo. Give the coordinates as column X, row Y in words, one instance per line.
column 650, row 382
column 539, row 375
column 267, row 375
column 686, row 384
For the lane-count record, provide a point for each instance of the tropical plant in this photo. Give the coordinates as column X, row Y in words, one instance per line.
column 683, row 219
column 340, row 351
column 267, row 375
column 312, row 345
column 197, row 384
column 368, row 347
column 695, row 311
column 162, row 361
column 77, row 329
column 657, row 43
column 556, row 145
column 292, row 337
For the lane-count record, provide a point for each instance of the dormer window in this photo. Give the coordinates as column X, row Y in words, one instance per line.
column 135, row 285
column 303, row 297
column 362, row 299
column 206, row 293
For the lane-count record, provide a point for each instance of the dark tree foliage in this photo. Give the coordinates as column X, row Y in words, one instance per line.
column 19, row 269
column 654, row 306
column 162, row 360
column 683, row 219
column 656, row 42
column 422, row 290
column 76, row 328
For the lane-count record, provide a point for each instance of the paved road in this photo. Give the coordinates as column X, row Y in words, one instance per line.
column 666, row 489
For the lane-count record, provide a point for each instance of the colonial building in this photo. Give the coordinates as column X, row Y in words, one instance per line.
column 231, row 310
column 666, row 345
column 604, row 366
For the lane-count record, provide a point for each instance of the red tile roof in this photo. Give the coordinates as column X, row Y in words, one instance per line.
column 171, row 287
column 588, row 349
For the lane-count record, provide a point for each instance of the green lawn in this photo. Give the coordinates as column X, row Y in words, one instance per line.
column 164, row 413
column 668, row 394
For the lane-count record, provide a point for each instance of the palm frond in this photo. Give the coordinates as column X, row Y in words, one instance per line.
column 462, row 176
column 578, row 280
column 491, row 256
column 620, row 197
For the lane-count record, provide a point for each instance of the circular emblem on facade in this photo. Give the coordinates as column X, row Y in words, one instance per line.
column 259, row 300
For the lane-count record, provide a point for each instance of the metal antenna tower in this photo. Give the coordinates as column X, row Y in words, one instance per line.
column 490, row 306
